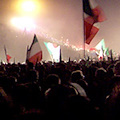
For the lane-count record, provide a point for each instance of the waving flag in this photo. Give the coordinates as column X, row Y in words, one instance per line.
column 93, row 15
column 54, row 51
column 8, row 57
column 34, row 53
column 101, row 47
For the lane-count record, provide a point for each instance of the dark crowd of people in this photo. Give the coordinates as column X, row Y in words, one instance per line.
column 66, row 90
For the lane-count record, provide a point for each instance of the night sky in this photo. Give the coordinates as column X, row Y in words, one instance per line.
column 60, row 19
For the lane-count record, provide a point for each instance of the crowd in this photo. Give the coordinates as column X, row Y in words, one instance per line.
column 70, row 91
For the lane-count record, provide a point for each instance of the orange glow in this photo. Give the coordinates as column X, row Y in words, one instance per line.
column 28, row 7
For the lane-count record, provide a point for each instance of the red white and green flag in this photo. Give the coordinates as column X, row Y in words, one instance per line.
column 93, row 15
column 34, row 53
column 101, row 47
column 54, row 51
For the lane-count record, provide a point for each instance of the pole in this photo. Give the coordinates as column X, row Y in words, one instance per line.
column 5, row 53
column 84, row 38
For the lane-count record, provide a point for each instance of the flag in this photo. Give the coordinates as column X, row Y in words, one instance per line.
column 93, row 15
column 54, row 51
column 34, row 53
column 101, row 47
column 92, row 49
column 8, row 57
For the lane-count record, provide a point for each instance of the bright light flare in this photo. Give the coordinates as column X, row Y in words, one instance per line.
column 31, row 8
column 28, row 6
column 23, row 23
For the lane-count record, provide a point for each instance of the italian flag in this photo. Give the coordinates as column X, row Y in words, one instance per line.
column 54, row 51
column 34, row 53
column 93, row 15
column 101, row 47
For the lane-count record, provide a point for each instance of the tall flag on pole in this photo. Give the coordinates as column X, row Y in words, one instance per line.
column 8, row 57
column 34, row 53
column 93, row 15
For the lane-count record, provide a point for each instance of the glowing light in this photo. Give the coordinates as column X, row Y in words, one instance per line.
column 23, row 23
column 28, row 6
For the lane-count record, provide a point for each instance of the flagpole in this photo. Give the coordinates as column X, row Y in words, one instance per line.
column 60, row 56
column 84, row 38
column 27, row 53
column 5, row 53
